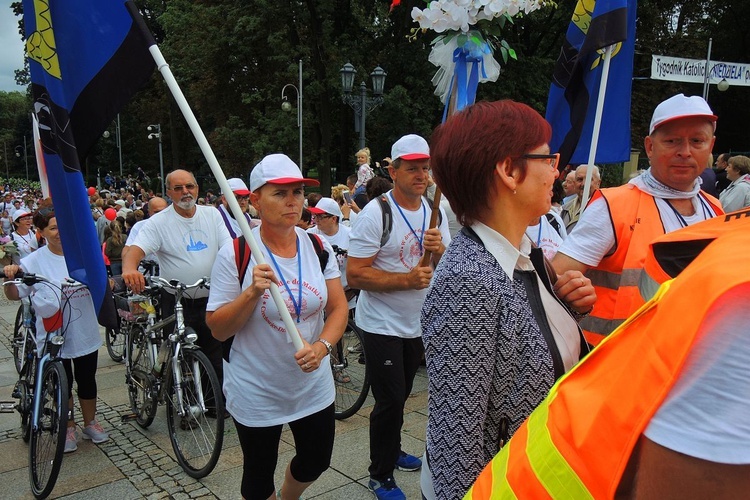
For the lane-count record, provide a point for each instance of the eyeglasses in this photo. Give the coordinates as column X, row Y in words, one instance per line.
column 552, row 159
column 241, row 197
column 323, row 216
column 189, row 187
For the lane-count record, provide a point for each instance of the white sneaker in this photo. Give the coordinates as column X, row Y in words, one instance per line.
column 71, row 439
column 95, row 432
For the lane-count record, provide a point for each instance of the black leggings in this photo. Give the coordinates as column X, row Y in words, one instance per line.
column 85, row 374
column 313, row 440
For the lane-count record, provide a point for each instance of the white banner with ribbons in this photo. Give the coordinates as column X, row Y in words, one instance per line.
column 682, row 69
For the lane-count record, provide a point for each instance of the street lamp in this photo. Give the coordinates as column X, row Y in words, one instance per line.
column 362, row 104
column 287, row 106
column 157, row 135
column 117, row 139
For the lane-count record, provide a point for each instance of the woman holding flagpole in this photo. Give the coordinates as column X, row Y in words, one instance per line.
column 266, row 383
column 498, row 328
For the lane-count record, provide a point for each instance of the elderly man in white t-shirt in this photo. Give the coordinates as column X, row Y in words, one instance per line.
column 611, row 238
column 394, row 286
column 186, row 238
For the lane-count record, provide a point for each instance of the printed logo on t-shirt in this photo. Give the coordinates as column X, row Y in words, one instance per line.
column 410, row 250
column 193, row 241
column 312, row 304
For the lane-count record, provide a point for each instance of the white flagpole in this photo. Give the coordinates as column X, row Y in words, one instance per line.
column 597, row 124
column 163, row 67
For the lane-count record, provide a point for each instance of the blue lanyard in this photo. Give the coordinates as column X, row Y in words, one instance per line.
column 424, row 220
column 296, row 303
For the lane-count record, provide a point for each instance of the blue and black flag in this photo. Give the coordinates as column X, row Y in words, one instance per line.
column 87, row 59
column 571, row 106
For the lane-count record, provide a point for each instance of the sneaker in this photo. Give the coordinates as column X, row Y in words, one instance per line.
column 94, row 432
column 71, row 439
column 386, row 489
column 408, row 462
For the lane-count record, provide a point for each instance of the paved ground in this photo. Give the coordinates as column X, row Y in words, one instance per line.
column 137, row 463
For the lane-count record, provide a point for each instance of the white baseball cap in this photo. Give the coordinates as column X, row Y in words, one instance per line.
column 327, row 206
column 277, row 169
column 410, row 147
column 20, row 213
column 238, row 186
column 681, row 106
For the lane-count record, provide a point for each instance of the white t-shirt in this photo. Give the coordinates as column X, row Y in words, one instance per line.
column 394, row 313
column 263, row 384
column 186, row 247
column 545, row 236
column 593, row 237
column 79, row 316
column 26, row 244
column 705, row 414
column 341, row 240
column 132, row 235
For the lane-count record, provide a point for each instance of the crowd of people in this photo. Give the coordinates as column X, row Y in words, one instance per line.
column 516, row 281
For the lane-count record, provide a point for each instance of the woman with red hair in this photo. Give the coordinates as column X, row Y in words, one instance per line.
column 498, row 329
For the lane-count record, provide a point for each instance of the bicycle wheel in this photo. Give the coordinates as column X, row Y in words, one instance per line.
column 143, row 400
column 349, row 373
column 24, row 342
column 196, row 435
column 48, row 436
column 115, row 340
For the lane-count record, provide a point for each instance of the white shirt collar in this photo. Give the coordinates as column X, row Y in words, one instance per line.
column 508, row 256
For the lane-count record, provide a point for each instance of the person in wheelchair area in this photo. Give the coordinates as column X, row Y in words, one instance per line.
column 77, row 318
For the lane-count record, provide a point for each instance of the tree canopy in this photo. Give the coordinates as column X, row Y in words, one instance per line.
column 232, row 58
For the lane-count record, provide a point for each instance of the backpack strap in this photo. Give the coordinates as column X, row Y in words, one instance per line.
column 385, row 209
column 320, row 250
column 553, row 222
column 241, row 257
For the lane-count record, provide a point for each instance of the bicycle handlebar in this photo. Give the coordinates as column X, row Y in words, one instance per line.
column 174, row 284
column 29, row 279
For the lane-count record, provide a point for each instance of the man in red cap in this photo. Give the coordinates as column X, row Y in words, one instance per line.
column 612, row 236
column 386, row 267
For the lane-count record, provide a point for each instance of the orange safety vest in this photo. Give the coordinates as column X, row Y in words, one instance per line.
column 636, row 222
column 578, row 442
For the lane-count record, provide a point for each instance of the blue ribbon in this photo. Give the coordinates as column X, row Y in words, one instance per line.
column 471, row 54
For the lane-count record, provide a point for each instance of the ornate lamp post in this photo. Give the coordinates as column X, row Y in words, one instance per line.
column 362, row 103
column 23, row 150
column 287, row 106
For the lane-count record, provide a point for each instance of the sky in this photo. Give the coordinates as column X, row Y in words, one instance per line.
column 11, row 48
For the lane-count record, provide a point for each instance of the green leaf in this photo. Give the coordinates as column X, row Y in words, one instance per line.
column 512, row 54
column 461, row 40
column 504, row 53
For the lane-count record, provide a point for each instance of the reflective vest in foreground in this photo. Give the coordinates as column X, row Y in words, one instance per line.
column 577, row 443
column 636, row 222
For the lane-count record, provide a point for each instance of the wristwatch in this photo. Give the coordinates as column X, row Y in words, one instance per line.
column 328, row 345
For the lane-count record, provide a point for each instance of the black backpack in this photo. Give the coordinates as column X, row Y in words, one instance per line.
column 242, row 260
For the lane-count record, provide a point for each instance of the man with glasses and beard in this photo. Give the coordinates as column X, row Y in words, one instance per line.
column 186, row 238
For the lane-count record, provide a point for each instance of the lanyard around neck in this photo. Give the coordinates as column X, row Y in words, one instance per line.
column 424, row 221
column 296, row 303
column 707, row 213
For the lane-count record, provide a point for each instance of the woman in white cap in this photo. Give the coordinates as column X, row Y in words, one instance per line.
column 266, row 383
column 24, row 235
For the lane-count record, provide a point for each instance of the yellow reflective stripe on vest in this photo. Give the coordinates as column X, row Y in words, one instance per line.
column 501, row 489
column 549, row 465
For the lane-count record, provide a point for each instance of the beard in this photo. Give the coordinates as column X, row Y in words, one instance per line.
column 186, row 203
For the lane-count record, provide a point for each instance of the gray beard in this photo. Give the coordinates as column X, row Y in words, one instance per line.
column 186, row 205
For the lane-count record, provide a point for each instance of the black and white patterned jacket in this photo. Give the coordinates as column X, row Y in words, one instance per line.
column 490, row 361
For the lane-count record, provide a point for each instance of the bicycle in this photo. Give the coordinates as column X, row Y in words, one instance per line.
column 42, row 393
column 115, row 338
column 350, row 376
column 176, row 372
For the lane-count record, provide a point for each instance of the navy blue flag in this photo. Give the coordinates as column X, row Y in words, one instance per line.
column 87, row 59
column 573, row 94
